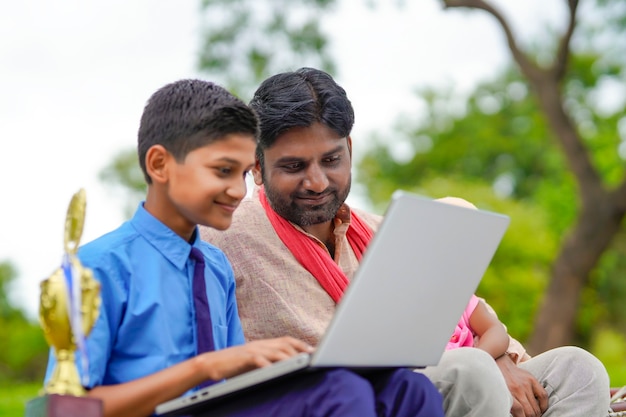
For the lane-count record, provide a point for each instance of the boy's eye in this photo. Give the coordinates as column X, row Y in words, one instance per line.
column 224, row 171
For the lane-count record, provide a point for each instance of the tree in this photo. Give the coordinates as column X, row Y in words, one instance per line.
column 601, row 199
column 551, row 143
column 244, row 42
column 561, row 89
column 124, row 174
column 23, row 349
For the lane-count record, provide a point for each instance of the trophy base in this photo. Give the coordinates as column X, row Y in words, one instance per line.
column 55, row 405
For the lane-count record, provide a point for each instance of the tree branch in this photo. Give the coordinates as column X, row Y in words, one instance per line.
column 619, row 196
column 562, row 54
column 528, row 67
column 547, row 88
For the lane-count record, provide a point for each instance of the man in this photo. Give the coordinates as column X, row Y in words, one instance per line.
column 303, row 163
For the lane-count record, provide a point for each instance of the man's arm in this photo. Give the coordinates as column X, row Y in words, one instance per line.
column 530, row 399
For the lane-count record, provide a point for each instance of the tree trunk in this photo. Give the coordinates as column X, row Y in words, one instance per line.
column 601, row 211
column 598, row 223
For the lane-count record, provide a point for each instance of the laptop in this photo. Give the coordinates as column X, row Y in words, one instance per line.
column 403, row 303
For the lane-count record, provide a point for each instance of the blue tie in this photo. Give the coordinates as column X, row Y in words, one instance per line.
column 204, row 328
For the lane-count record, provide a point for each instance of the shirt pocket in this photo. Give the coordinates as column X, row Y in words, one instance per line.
column 220, row 336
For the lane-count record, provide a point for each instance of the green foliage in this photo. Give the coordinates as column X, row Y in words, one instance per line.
column 610, row 347
column 7, row 275
column 124, row 174
column 604, row 29
column 493, row 147
column 520, row 269
column 14, row 397
column 23, row 349
column 244, row 42
column 602, row 301
column 588, row 81
column 498, row 138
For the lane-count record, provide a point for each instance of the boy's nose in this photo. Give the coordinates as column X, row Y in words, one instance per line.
column 238, row 189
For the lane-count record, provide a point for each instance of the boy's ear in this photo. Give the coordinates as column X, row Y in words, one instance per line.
column 256, row 172
column 157, row 158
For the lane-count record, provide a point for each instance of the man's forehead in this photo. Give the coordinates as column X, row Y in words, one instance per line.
column 316, row 129
column 303, row 149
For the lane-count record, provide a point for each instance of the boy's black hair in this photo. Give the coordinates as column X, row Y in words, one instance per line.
column 187, row 114
column 299, row 99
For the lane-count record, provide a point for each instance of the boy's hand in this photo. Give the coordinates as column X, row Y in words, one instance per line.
column 235, row 360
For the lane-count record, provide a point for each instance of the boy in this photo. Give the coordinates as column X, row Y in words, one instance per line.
column 196, row 144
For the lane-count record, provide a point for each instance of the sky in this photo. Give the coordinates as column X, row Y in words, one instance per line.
column 75, row 76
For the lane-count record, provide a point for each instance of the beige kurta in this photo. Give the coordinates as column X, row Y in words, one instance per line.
column 276, row 295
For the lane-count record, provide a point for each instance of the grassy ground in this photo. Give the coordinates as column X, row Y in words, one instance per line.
column 13, row 398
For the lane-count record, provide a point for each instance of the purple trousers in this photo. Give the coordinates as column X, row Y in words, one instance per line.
column 338, row 393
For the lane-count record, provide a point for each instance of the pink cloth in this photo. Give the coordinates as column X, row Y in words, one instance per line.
column 463, row 334
column 314, row 258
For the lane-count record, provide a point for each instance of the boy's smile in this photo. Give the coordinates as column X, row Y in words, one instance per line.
column 207, row 186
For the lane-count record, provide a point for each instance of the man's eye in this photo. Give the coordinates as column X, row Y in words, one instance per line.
column 332, row 159
column 293, row 167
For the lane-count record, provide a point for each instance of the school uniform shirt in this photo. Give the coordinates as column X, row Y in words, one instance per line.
column 277, row 296
column 147, row 315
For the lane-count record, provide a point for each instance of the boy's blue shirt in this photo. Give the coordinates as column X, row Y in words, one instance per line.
column 147, row 315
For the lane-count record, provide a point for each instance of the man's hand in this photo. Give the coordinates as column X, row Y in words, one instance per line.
column 235, row 360
column 530, row 399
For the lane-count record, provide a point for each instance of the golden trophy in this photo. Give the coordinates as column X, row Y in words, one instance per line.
column 68, row 309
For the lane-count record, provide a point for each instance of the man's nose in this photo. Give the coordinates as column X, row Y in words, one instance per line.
column 316, row 179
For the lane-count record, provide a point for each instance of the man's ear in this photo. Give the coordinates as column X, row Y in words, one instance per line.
column 349, row 139
column 157, row 159
column 256, row 172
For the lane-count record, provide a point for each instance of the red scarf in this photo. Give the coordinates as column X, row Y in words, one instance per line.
column 314, row 258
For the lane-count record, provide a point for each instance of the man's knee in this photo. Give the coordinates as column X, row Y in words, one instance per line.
column 471, row 384
column 472, row 366
column 576, row 357
column 570, row 365
column 576, row 381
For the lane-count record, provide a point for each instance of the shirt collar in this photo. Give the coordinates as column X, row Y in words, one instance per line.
column 162, row 238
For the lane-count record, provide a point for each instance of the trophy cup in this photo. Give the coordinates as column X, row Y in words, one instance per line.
column 68, row 308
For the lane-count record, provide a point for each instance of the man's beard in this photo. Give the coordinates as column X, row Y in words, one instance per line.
column 309, row 215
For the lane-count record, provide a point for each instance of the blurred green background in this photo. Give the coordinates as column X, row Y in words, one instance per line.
column 543, row 141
